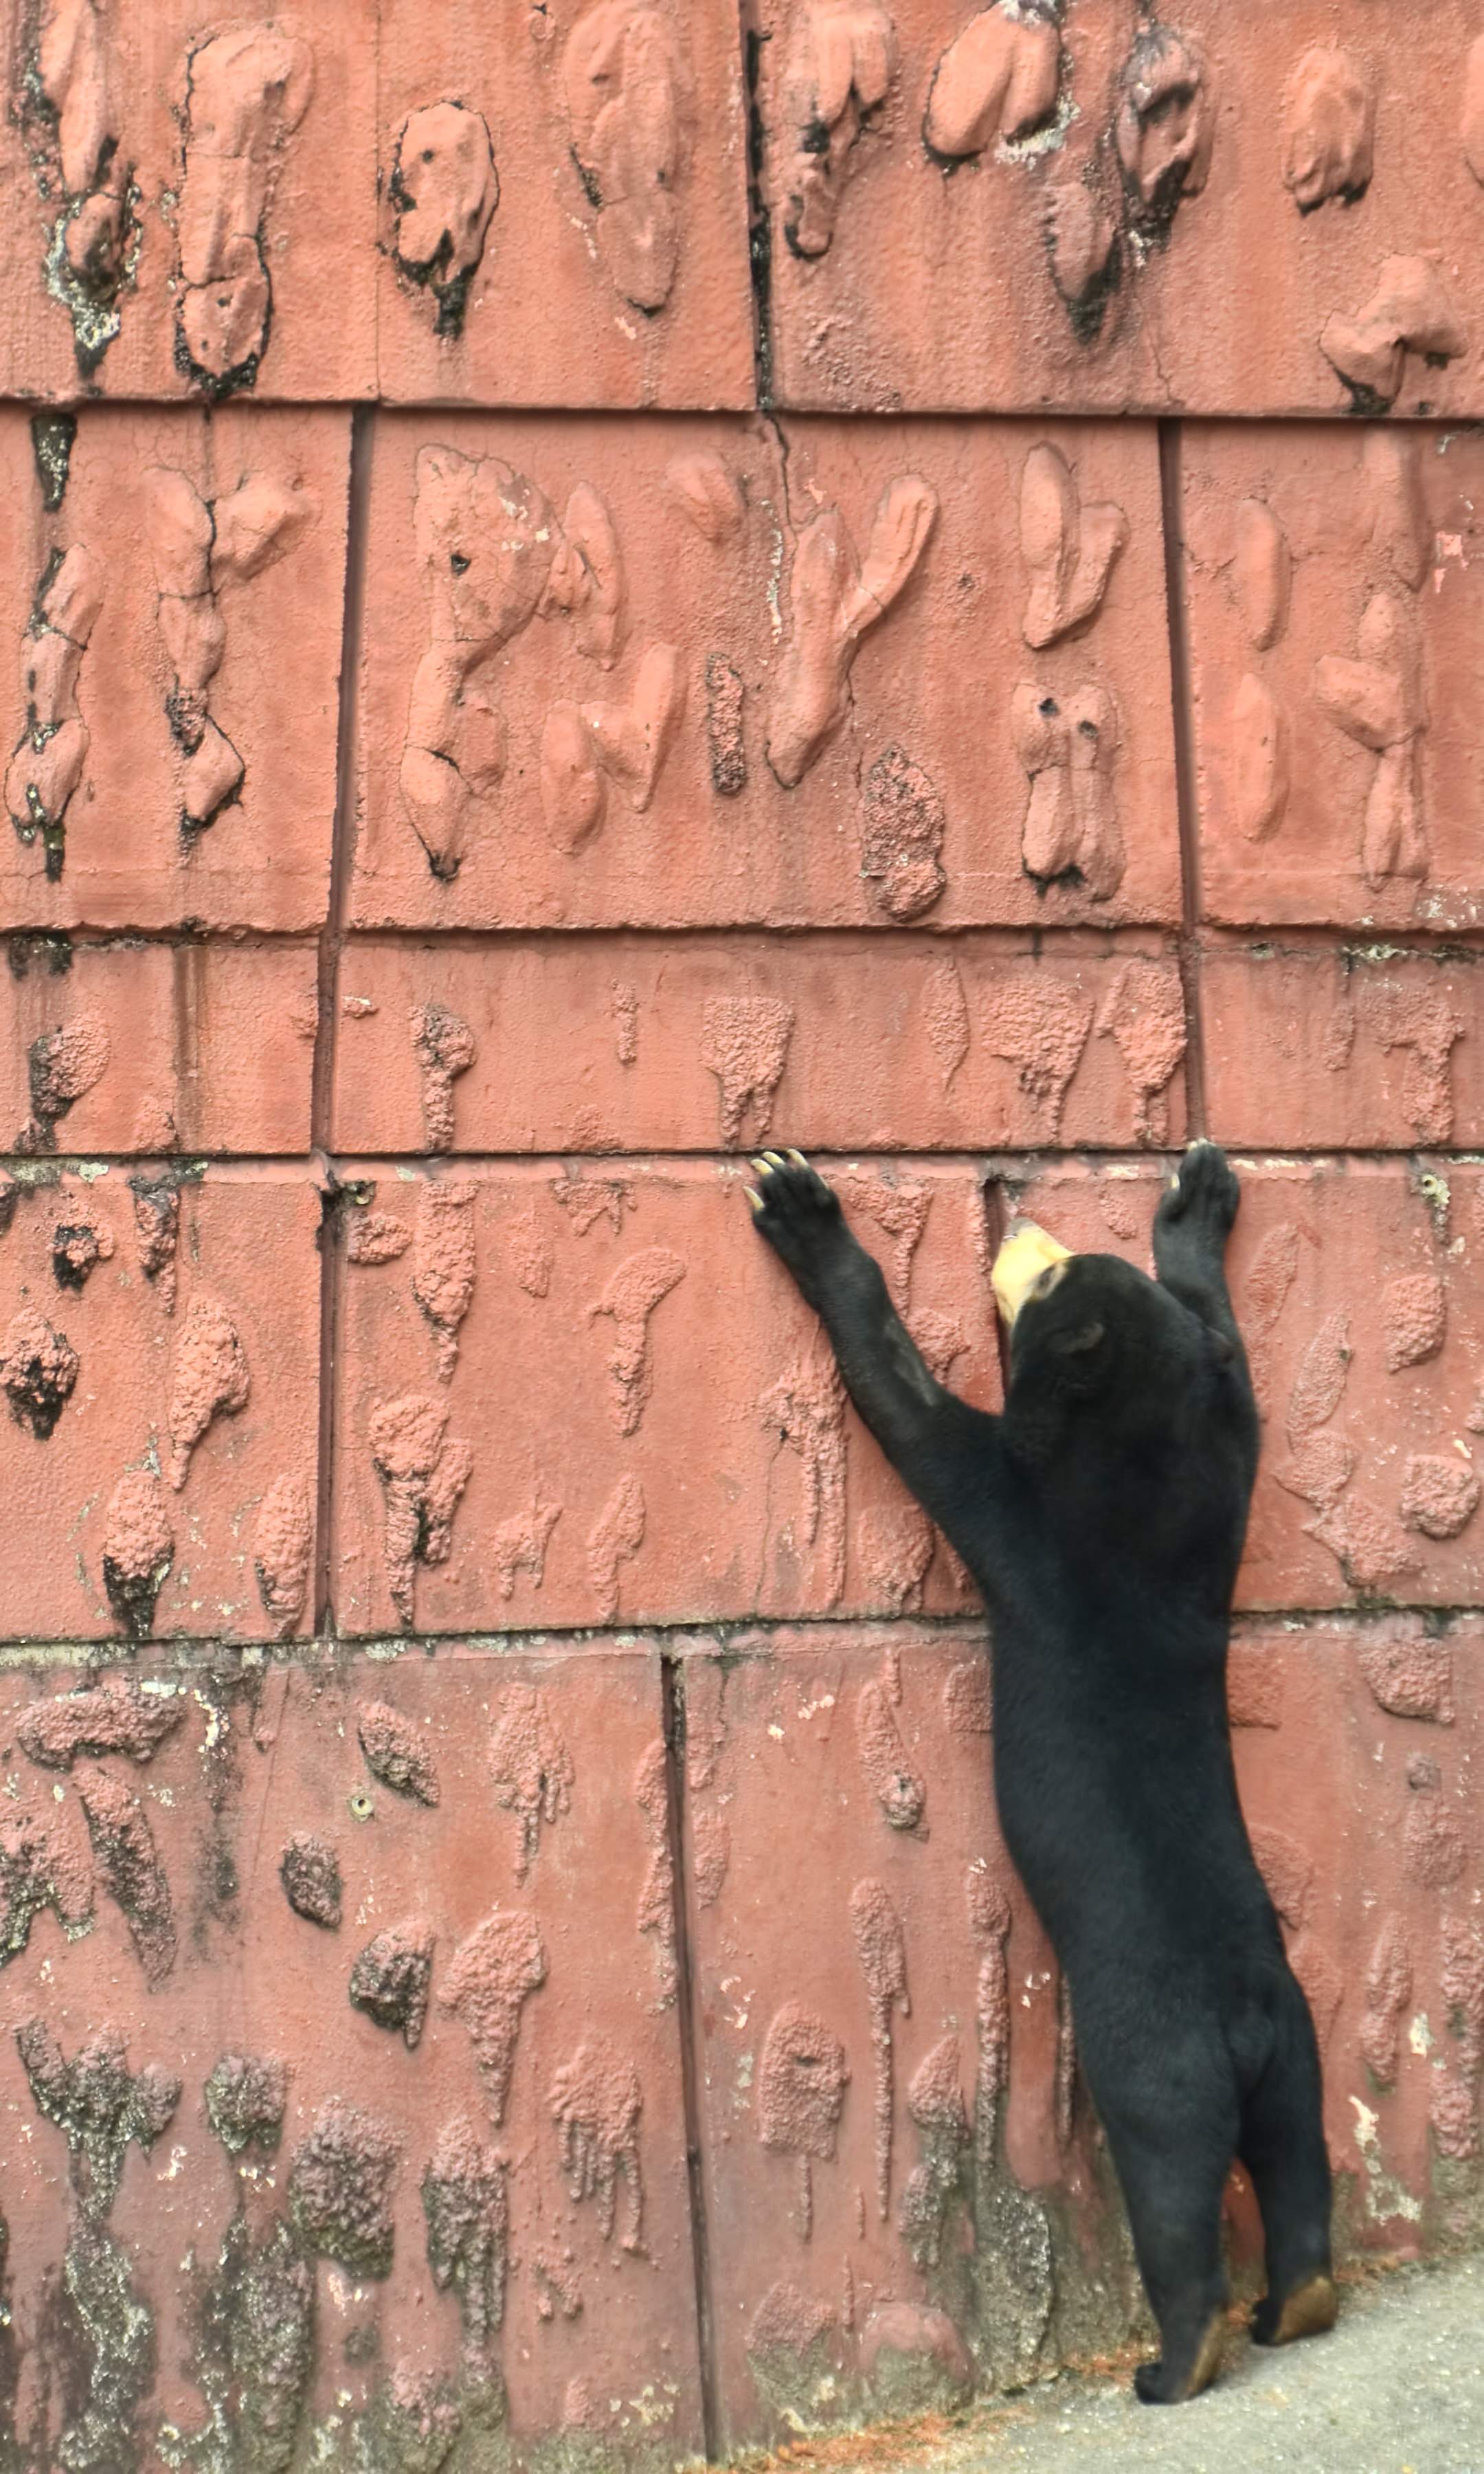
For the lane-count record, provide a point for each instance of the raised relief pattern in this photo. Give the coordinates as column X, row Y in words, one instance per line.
column 841, row 66
column 1262, row 581
column 882, row 1953
column 531, row 1767
column 491, row 1977
column 47, row 767
column 632, row 1294
column 1144, row 1015
column 1408, row 312
column 595, row 2103
column 484, row 545
column 1041, row 1027
column 801, row 2081
column 424, row 1472
column 806, row 1410
column 997, row 82
column 200, row 547
column 1164, row 130
column 615, row 1539
column 444, row 1263
column 1378, row 699
column 834, row 597
column 444, row 191
column 245, row 94
column 71, row 111
column 1071, row 833
column 1328, row 130
column 1472, row 117
column 444, row 1048
column 139, row 1550
column 621, row 77
column 1068, row 548
column 902, row 822
column 209, row 1378
column 62, row 1067
column 744, row 1043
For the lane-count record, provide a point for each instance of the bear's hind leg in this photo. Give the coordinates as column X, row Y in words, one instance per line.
column 1177, row 2242
column 1282, row 2146
column 1173, row 2172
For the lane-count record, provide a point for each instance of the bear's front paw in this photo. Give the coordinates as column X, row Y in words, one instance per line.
column 795, row 1209
column 1203, row 1193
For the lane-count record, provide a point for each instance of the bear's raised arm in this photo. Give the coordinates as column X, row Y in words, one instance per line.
column 1191, row 1225
column 922, row 1428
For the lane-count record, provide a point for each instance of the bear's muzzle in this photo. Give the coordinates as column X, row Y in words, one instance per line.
column 1025, row 1256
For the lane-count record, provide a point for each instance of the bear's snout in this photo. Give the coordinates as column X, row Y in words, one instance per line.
column 1025, row 1255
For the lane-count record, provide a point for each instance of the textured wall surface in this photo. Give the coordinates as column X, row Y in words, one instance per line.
column 591, row 583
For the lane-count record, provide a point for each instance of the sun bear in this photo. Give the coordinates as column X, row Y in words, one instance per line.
column 1102, row 1515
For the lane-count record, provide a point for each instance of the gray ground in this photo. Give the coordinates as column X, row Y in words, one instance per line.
column 1397, row 2388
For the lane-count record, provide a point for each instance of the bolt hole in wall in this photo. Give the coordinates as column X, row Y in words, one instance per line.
column 594, row 585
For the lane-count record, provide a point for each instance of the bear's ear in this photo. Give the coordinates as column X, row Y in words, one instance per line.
column 1075, row 1343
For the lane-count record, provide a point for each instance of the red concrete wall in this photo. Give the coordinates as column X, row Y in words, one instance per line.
column 592, row 582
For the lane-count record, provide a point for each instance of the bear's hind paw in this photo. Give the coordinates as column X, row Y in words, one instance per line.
column 1172, row 2383
column 1309, row 2310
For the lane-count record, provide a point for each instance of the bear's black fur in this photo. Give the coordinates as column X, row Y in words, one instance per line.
column 1103, row 1515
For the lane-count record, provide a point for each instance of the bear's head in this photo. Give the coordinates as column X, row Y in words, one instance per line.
column 1080, row 1324
column 1122, row 1413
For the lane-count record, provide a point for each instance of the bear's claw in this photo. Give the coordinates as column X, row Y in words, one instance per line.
column 795, row 1207
column 1203, row 1188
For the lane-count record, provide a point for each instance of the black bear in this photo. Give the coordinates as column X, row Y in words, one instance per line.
column 1102, row 1517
